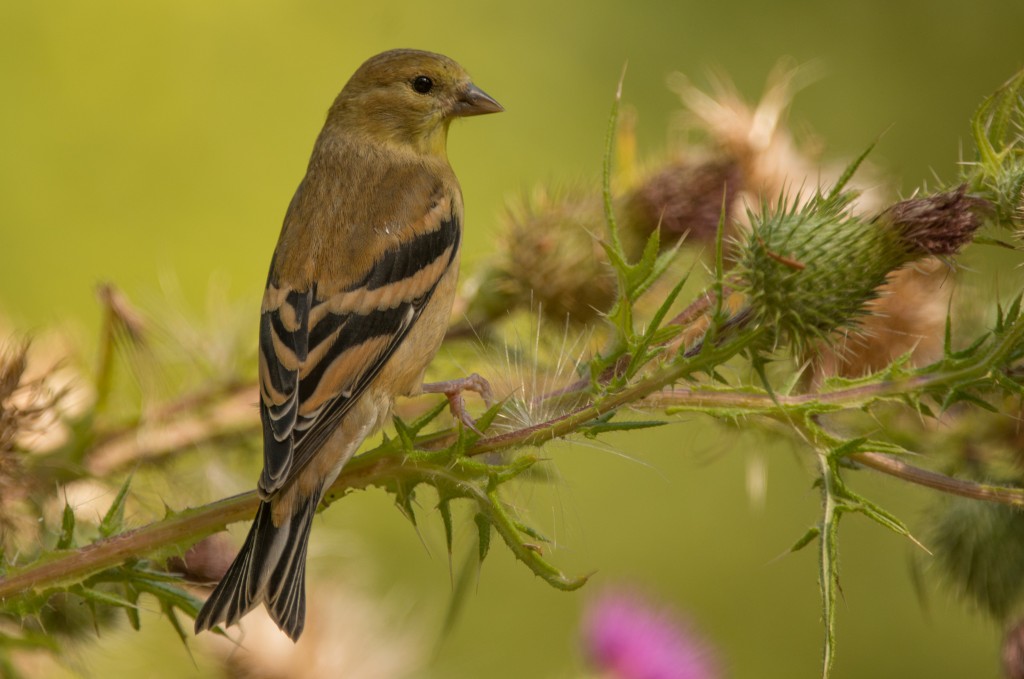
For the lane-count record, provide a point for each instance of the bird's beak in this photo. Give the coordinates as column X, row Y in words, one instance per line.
column 474, row 102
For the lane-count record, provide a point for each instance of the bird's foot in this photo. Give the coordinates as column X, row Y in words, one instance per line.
column 453, row 389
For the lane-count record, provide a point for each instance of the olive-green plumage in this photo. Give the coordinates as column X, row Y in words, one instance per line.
column 357, row 302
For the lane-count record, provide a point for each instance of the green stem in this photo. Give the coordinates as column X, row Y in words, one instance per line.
column 367, row 469
column 382, row 462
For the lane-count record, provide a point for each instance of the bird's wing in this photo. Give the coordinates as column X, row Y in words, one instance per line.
column 319, row 352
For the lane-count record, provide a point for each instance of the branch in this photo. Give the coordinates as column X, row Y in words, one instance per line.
column 888, row 464
column 374, row 467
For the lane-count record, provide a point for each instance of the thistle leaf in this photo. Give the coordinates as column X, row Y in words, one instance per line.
column 483, row 527
column 807, row 538
column 67, row 528
column 113, row 520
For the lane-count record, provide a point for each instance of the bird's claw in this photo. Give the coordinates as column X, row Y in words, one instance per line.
column 452, row 389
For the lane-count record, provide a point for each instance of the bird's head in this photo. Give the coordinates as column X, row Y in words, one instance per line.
column 409, row 97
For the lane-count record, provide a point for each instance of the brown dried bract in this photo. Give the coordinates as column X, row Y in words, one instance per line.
column 685, row 197
column 940, row 224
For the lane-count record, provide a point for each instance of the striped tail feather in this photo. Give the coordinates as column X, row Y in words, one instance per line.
column 270, row 569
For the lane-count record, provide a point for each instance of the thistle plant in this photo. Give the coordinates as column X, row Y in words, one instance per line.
column 804, row 269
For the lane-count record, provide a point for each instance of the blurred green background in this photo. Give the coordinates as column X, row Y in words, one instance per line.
column 157, row 144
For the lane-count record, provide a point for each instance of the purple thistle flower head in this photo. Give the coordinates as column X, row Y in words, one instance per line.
column 629, row 638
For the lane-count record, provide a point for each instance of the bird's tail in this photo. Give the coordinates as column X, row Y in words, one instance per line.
column 270, row 568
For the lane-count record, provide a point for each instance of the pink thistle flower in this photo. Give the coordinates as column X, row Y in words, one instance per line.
column 627, row 637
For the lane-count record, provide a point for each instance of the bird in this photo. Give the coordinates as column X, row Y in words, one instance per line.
column 357, row 301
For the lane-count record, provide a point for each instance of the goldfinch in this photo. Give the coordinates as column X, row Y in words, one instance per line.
column 357, row 302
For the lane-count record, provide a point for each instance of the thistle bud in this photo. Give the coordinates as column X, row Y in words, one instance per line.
column 908, row 317
column 550, row 258
column 979, row 546
column 810, row 270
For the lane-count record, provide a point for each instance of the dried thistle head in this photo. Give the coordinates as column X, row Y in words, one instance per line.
column 772, row 162
column 939, row 224
column 13, row 362
column 549, row 258
column 754, row 136
column 684, row 197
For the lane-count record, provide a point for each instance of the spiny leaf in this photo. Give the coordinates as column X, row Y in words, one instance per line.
column 665, row 335
column 962, row 395
column 169, row 613
column 651, row 336
column 483, row 423
column 592, row 431
column 641, row 270
column 171, row 594
column 417, row 425
column 507, row 528
column 445, row 507
column 719, row 284
column 530, row 531
column 460, row 592
column 1009, row 385
column 609, row 146
column 500, row 474
column 113, row 520
column 404, row 499
column 885, row 519
column 67, row 528
column 848, row 173
column 807, row 538
column 656, row 271
column 405, row 435
column 133, row 612
column 992, row 120
column 847, row 448
column 970, row 350
column 483, row 527
column 1014, row 311
column 102, row 597
column 759, row 363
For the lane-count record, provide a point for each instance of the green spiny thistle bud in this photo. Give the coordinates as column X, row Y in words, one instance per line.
column 684, row 198
column 809, row 270
column 908, row 317
column 550, row 258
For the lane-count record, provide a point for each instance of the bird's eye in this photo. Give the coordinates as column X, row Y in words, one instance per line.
column 422, row 84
